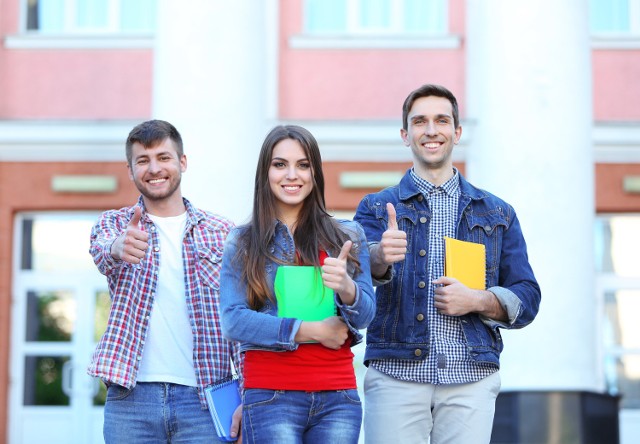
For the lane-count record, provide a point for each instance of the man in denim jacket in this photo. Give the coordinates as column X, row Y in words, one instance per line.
column 433, row 347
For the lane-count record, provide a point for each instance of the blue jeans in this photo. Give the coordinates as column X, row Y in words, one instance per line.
column 156, row 412
column 296, row 417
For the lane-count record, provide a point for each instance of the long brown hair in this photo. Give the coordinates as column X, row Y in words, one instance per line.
column 315, row 228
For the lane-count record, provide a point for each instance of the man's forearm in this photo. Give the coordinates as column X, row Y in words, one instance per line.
column 491, row 307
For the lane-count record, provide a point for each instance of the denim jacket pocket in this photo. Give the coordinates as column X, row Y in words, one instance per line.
column 488, row 229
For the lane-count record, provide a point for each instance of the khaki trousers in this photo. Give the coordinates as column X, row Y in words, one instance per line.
column 409, row 412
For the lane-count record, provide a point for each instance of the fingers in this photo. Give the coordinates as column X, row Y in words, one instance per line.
column 336, row 334
column 344, row 252
column 393, row 244
column 391, row 212
column 135, row 219
column 236, row 420
column 334, row 273
column 131, row 246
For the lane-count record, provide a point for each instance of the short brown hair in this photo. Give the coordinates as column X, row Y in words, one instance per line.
column 426, row 91
column 152, row 133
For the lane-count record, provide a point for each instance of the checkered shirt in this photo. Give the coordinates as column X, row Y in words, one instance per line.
column 132, row 287
column 448, row 361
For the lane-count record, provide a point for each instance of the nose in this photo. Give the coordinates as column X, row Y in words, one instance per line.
column 154, row 166
column 292, row 172
column 430, row 129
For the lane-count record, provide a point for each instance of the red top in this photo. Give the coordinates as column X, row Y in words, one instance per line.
column 312, row 367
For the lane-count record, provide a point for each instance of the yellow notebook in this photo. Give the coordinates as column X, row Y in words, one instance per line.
column 466, row 262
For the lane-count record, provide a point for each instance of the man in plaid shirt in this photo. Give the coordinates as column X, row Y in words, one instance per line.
column 163, row 345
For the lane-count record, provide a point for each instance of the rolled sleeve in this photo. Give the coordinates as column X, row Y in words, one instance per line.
column 511, row 304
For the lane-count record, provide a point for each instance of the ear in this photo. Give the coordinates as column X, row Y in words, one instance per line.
column 130, row 172
column 183, row 163
column 458, row 134
column 405, row 136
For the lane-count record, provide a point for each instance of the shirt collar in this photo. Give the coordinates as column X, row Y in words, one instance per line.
column 451, row 187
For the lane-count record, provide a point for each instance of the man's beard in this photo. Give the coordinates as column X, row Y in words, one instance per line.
column 157, row 197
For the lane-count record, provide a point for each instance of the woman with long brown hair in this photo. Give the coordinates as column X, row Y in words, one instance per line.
column 299, row 381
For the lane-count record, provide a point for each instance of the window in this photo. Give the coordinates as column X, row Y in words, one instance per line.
column 89, row 16
column 614, row 17
column 376, row 17
column 617, row 244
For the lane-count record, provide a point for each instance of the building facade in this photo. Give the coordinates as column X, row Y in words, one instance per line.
column 550, row 122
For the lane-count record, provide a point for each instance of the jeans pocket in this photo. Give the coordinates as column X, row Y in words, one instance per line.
column 257, row 397
column 116, row 392
column 351, row 396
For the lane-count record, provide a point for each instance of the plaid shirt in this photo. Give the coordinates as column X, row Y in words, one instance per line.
column 132, row 286
column 448, row 361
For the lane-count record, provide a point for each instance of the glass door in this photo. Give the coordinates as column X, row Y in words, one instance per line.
column 60, row 307
column 618, row 293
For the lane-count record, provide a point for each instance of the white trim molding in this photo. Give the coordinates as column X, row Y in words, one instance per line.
column 79, row 41
column 347, row 141
column 616, row 142
column 70, row 141
column 621, row 42
column 350, row 41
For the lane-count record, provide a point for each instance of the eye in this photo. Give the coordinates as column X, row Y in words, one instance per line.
column 304, row 165
column 418, row 122
column 142, row 161
column 278, row 164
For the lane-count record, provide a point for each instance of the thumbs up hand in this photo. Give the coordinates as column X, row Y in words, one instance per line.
column 393, row 244
column 335, row 276
column 131, row 246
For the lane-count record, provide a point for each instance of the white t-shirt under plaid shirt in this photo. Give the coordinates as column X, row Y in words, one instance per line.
column 448, row 361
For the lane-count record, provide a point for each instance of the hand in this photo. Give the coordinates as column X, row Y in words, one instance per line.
column 332, row 332
column 236, row 424
column 393, row 244
column 335, row 276
column 131, row 246
column 453, row 298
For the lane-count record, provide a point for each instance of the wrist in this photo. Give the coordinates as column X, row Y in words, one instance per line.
column 308, row 331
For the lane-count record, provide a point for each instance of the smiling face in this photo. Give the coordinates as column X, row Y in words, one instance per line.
column 157, row 172
column 431, row 134
column 290, row 179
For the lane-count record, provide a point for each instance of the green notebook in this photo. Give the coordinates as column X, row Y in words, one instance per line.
column 300, row 294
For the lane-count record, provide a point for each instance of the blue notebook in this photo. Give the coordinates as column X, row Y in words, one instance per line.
column 222, row 399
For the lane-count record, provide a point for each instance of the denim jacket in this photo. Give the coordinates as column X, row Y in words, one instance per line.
column 399, row 329
column 263, row 330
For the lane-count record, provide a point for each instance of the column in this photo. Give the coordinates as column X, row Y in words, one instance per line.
column 529, row 106
column 210, row 80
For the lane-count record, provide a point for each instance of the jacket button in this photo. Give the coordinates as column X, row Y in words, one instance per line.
column 421, row 284
column 423, row 220
column 487, row 228
column 417, row 352
column 420, row 317
column 420, row 198
column 422, row 253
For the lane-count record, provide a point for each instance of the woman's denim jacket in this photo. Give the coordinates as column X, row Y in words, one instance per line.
column 263, row 330
column 399, row 329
